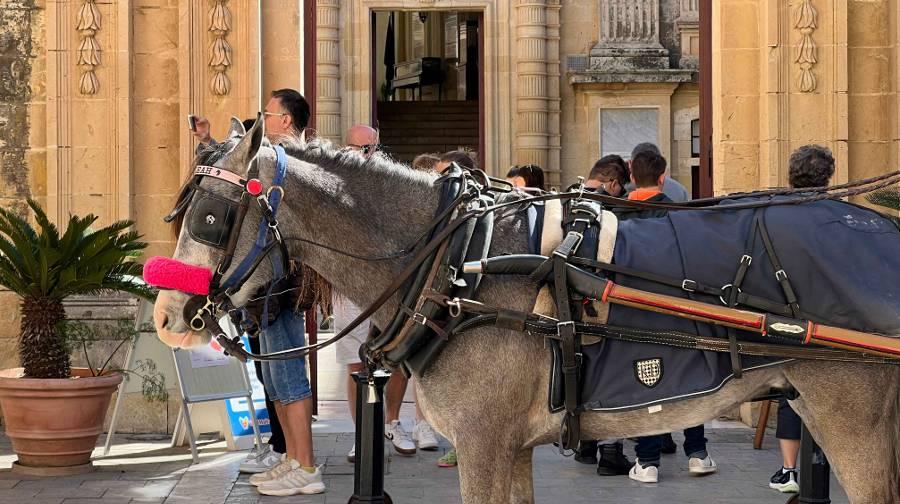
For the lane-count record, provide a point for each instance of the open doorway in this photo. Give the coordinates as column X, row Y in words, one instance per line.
column 427, row 82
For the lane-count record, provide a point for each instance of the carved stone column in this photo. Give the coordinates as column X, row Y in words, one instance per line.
column 629, row 37
column 553, row 168
column 532, row 107
column 328, row 69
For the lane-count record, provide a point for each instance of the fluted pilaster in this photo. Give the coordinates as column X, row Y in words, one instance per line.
column 328, row 69
column 532, row 103
column 554, row 168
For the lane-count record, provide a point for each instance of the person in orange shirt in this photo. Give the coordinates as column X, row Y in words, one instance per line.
column 648, row 173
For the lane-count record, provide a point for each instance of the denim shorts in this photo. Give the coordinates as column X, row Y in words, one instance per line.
column 285, row 380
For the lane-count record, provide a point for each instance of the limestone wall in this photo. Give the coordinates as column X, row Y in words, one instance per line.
column 791, row 73
column 22, row 137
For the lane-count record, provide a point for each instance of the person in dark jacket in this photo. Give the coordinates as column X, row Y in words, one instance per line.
column 609, row 176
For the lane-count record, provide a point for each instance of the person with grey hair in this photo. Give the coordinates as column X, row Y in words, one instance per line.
column 810, row 166
column 671, row 187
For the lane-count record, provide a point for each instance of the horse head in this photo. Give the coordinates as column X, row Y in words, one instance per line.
column 351, row 218
column 208, row 208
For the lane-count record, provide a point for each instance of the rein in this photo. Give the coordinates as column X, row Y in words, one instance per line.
column 467, row 204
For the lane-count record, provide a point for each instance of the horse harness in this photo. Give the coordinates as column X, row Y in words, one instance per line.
column 440, row 282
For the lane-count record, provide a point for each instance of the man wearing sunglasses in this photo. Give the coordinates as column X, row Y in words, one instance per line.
column 363, row 139
column 286, row 114
column 286, row 467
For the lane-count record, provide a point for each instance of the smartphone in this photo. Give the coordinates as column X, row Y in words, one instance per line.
column 192, row 122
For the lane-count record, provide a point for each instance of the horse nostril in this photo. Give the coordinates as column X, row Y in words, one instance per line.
column 164, row 321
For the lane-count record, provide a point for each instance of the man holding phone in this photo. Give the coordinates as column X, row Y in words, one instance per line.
column 293, row 472
column 286, row 114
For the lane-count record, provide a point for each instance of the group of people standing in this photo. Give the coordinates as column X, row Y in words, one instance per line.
column 645, row 177
column 286, row 464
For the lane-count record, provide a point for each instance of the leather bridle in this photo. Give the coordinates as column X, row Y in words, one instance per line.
column 200, row 310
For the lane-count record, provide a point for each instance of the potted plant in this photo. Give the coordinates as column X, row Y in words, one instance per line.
column 53, row 413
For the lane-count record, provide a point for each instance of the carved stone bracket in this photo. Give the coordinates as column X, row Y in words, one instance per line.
column 89, row 49
column 805, row 22
column 220, row 50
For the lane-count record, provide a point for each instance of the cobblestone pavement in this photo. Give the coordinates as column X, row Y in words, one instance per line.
column 149, row 471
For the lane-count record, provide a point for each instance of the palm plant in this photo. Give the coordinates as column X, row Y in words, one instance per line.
column 44, row 267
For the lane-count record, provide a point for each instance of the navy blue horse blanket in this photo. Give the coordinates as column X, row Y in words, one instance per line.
column 842, row 260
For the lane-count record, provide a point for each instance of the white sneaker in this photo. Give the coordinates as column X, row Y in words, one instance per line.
column 280, row 468
column 400, row 439
column 351, row 456
column 262, row 461
column 294, row 481
column 700, row 467
column 424, row 436
column 649, row 474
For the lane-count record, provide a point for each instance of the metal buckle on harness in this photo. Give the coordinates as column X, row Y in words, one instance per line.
column 454, row 307
column 275, row 188
column 197, row 323
column 688, row 285
column 725, row 291
column 745, row 259
column 587, row 222
column 419, row 318
column 780, row 275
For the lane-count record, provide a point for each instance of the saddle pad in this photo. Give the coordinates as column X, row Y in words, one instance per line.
column 819, row 245
column 551, row 236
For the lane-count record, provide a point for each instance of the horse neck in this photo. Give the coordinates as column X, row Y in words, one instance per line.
column 366, row 212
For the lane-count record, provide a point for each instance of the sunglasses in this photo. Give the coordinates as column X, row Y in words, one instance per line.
column 366, row 149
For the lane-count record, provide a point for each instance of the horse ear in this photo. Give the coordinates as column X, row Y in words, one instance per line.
column 236, row 128
column 249, row 145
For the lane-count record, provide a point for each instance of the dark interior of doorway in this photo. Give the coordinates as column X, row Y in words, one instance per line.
column 426, row 81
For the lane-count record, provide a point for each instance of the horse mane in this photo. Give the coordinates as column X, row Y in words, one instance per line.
column 379, row 167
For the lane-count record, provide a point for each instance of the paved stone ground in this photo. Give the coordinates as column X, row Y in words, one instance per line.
column 139, row 469
column 149, row 471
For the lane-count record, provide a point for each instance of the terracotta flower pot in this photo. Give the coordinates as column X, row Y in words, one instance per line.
column 55, row 423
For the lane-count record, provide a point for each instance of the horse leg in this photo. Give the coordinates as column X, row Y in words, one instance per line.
column 853, row 412
column 485, row 470
column 522, row 491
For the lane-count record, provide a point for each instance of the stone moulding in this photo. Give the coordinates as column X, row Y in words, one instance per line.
column 89, row 50
column 805, row 22
column 220, row 50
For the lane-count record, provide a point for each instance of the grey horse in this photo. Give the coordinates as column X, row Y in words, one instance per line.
column 486, row 393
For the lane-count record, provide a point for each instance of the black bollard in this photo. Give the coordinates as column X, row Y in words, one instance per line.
column 815, row 472
column 368, row 469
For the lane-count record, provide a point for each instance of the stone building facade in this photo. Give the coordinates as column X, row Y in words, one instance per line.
column 94, row 93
